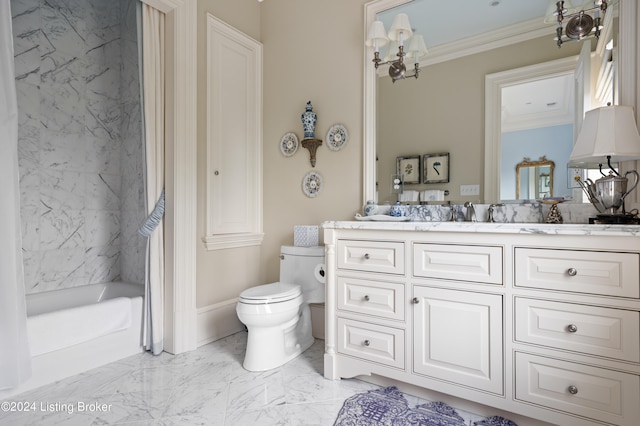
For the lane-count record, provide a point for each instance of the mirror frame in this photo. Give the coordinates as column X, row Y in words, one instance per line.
column 628, row 89
column 540, row 163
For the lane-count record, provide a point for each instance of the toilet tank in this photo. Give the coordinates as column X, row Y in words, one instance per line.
column 304, row 266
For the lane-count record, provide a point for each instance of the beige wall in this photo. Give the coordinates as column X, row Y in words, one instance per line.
column 443, row 111
column 312, row 51
column 220, row 274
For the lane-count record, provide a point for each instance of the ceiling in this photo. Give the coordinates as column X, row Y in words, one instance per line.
column 442, row 22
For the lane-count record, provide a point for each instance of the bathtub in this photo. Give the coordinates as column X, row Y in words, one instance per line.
column 77, row 329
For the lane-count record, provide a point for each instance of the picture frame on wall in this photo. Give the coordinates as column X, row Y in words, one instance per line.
column 409, row 167
column 435, row 168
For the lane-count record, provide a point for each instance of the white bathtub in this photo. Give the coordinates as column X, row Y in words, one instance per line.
column 77, row 329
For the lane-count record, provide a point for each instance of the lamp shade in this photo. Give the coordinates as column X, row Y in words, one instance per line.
column 377, row 36
column 417, row 48
column 392, row 52
column 552, row 10
column 608, row 131
column 400, row 25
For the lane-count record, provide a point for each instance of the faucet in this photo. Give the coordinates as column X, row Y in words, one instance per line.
column 452, row 211
column 490, row 219
column 471, row 212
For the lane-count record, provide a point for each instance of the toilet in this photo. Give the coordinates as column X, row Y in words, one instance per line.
column 277, row 315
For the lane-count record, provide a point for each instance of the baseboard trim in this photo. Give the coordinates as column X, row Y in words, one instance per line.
column 217, row 321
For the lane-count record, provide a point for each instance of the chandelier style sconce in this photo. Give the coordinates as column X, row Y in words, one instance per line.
column 580, row 24
column 399, row 34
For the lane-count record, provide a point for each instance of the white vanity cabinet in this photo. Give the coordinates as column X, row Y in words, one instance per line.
column 541, row 321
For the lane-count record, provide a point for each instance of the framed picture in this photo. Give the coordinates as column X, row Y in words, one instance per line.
column 409, row 167
column 435, row 168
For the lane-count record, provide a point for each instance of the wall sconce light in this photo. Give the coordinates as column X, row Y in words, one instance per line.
column 399, row 34
column 580, row 24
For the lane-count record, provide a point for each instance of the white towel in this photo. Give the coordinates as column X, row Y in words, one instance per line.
column 59, row 329
column 408, row 196
column 432, row 195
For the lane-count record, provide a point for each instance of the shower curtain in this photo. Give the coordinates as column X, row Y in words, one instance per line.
column 15, row 360
column 154, row 123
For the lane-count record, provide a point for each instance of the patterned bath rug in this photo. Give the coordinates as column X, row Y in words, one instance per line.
column 388, row 407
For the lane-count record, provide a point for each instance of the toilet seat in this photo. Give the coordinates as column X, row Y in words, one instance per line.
column 270, row 293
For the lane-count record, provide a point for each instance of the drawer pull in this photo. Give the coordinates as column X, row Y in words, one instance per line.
column 368, row 343
column 572, row 390
column 415, row 300
column 572, row 272
column 366, row 298
column 572, row 328
column 366, row 256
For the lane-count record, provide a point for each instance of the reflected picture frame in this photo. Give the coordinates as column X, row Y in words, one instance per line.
column 435, row 168
column 409, row 168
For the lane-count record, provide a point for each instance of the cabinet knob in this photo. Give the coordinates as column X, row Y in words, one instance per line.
column 216, row 173
column 366, row 298
column 572, row 390
column 366, row 256
column 572, row 272
column 415, row 300
column 366, row 343
column 572, row 328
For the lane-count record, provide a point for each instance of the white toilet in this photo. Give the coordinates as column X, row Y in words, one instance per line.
column 277, row 315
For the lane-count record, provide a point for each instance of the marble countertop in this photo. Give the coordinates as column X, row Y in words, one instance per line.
column 483, row 227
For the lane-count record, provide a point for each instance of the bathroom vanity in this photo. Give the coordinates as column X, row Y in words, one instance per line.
column 534, row 319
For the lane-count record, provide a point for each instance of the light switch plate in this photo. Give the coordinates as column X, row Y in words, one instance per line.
column 466, row 190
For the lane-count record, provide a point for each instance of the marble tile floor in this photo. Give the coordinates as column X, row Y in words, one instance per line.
column 207, row 386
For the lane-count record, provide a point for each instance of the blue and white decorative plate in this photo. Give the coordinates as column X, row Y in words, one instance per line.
column 337, row 137
column 312, row 184
column 289, row 144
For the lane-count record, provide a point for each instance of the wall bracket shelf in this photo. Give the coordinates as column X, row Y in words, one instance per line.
column 312, row 145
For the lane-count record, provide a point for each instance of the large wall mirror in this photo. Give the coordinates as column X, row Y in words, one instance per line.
column 448, row 113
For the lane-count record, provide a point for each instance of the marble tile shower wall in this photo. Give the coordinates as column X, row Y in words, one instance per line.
column 80, row 152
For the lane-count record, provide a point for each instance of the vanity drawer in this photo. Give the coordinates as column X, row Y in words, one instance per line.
column 372, row 342
column 458, row 262
column 379, row 298
column 593, row 272
column 613, row 333
column 598, row 393
column 371, row 256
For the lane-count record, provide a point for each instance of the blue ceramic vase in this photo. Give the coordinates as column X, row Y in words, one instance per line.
column 309, row 119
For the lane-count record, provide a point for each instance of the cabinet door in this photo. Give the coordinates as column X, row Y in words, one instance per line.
column 234, row 138
column 458, row 337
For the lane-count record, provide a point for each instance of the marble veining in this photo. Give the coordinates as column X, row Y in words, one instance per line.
column 207, row 386
column 493, row 228
column 572, row 213
column 79, row 142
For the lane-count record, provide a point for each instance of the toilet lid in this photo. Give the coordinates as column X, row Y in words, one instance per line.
column 270, row 293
